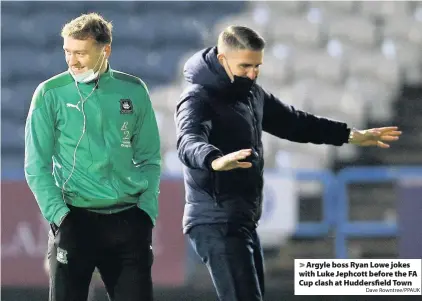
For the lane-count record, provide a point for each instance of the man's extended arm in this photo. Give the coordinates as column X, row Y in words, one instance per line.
column 288, row 123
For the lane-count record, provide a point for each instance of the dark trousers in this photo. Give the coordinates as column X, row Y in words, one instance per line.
column 119, row 245
column 234, row 258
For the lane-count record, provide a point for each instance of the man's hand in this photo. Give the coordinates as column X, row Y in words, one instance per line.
column 231, row 161
column 375, row 137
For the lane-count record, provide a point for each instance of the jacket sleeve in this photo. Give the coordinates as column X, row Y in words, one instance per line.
column 147, row 156
column 193, row 127
column 39, row 147
column 288, row 123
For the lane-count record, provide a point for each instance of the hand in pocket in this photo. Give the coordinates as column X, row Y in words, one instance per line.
column 64, row 236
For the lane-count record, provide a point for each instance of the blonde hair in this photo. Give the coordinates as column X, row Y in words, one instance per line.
column 88, row 26
column 240, row 38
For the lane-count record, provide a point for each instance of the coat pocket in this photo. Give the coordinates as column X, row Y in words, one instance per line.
column 215, row 188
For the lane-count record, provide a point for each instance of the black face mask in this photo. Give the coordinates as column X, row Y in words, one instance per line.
column 242, row 84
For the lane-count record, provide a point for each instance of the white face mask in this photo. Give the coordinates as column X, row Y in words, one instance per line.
column 88, row 75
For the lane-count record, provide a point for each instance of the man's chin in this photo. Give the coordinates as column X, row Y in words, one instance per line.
column 77, row 71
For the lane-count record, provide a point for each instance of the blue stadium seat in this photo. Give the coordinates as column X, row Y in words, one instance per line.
column 24, row 63
column 148, row 30
column 12, row 134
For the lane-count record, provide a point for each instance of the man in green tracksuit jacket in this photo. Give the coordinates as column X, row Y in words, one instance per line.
column 92, row 161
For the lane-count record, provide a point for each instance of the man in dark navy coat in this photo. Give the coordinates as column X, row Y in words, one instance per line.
column 220, row 118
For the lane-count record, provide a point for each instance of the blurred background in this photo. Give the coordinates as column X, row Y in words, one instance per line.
column 358, row 62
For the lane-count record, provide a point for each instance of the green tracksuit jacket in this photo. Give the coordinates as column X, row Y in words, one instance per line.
column 117, row 161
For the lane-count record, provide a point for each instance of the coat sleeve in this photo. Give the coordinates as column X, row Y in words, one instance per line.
column 286, row 122
column 193, row 127
column 147, row 155
column 39, row 147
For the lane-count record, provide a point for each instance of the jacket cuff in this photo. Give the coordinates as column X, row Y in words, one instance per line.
column 58, row 218
column 349, row 132
column 211, row 157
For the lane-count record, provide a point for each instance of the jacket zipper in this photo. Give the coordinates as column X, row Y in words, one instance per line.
column 256, row 137
column 254, row 122
column 110, row 173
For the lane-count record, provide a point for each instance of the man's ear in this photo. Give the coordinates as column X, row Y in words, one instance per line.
column 220, row 58
column 107, row 51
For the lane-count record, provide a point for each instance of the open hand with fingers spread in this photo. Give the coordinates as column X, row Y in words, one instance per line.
column 231, row 161
column 375, row 137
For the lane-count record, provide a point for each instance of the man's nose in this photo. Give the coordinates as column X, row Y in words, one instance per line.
column 252, row 74
column 71, row 60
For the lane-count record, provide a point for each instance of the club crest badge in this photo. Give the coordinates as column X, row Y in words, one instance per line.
column 61, row 256
column 126, row 106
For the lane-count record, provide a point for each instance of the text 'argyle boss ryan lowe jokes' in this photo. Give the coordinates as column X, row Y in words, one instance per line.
column 358, row 277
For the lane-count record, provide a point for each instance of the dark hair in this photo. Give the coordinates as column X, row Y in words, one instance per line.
column 241, row 38
column 89, row 26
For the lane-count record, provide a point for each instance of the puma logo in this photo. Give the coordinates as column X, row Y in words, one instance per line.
column 70, row 105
